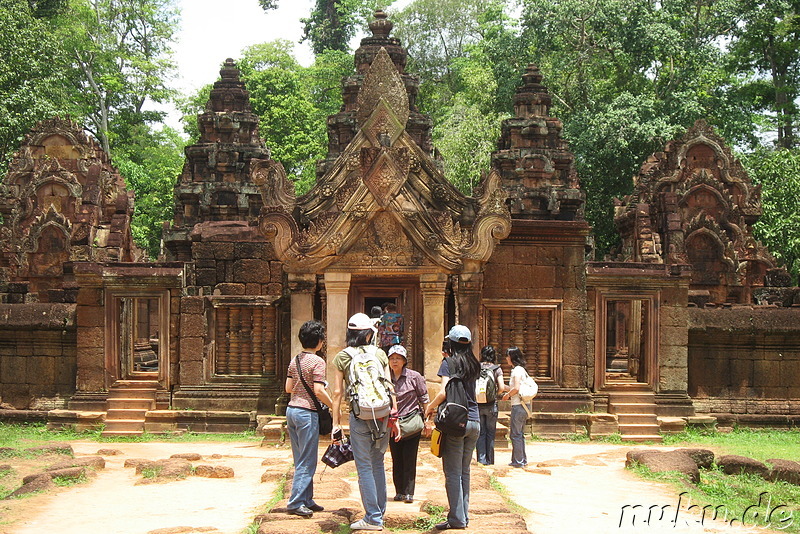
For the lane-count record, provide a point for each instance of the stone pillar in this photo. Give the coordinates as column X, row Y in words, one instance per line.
column 302, row 288
column 432, row 287
column 470, row 285
column 337, row 288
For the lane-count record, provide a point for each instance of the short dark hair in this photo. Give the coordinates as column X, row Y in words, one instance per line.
column 390, row 307
column 375, row 312
column 488, row 354
column 358, row 338
column 517, row 358
column 311, row 333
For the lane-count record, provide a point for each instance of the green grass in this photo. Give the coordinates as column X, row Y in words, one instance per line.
column 436, row 514
column 503, row 491
column 28, row 435
column 151, row 472
column 64, row 481
column 739, row 498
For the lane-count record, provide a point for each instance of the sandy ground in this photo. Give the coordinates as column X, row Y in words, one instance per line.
column 566, row 488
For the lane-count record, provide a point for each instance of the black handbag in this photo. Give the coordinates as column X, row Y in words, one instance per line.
column 337, row 453
column 323, row 413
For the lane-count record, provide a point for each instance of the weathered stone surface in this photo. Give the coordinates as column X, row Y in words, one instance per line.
column 785, row 470
column 136, row 462
column 39, row 483
column 191, row 456
column 95, row 462
column 109, row 452
column 732, row 464
column 52, row 448
column 704, row 458
column 213, row 471
column 665, row 461
column 64, row 472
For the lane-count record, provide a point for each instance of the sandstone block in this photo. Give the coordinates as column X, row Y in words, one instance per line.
column 785, row 470
column 732, row 464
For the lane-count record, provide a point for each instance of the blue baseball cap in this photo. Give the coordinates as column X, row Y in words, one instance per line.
column 460, row 334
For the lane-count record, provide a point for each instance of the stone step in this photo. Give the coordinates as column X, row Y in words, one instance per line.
column 655, row 438
column 637, row 418
column 631, row 407
column 130, row 403
column 123, row 425
column 638, row 429
column 136, row 383
column 132, row 393
column 125, row 414
column 121, row 433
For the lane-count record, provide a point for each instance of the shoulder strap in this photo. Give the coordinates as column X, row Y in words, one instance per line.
column 303, row 380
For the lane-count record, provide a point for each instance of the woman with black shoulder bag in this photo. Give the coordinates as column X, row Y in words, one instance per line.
column 408, row 426
column 305, row 381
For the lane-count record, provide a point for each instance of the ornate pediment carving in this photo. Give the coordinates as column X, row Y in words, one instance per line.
column 382, row 83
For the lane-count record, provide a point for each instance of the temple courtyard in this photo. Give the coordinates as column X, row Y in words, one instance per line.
column 567, row 487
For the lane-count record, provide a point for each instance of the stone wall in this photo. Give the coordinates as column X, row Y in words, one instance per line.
column 37, row 355
column 745, row 360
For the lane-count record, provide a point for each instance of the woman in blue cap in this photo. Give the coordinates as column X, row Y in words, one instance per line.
column 457, row 450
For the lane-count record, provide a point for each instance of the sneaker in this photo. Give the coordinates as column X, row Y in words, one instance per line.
column 408, row 498
column 399, row 497
column 316, row 508
column 362, row 524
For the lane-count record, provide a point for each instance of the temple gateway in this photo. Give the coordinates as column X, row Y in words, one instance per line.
column 692, row 322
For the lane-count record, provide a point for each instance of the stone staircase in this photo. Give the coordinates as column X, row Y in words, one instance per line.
column 635, row 409
column 128, row 402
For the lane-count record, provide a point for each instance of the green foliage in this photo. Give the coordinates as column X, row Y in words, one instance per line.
column 32, row 87
column 435, row 513
column 66, row 481
column 121, row 60
column 332, row 23
column 778, row 173
column 465, row 137
column 150, row 162
column 755, row 443
column 151, row 472
column 293, row 103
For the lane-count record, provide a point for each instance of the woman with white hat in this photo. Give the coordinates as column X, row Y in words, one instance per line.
column 412, row 399
column 364, row 369
column 457, row 450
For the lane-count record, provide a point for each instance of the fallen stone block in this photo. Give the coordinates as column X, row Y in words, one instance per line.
column 666, row 461
column 191, row 456
column 704, row 458
column 95, row 462
column 67, row 472
column 732, row 464
column 109, row 452
column 39, row 483
column 52, row 448
column 213, row 471
column 785, row 470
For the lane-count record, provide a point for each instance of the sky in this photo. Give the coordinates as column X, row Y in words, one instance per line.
column 210, row 31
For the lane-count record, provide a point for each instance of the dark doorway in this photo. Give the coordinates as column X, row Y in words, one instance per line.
column 370, row 302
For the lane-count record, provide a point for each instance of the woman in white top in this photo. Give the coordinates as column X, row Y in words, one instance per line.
column 519, row 415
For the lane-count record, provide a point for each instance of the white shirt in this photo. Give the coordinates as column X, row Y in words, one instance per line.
column 518, row 374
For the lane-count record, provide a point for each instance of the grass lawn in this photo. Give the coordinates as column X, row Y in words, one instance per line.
column 740, row 499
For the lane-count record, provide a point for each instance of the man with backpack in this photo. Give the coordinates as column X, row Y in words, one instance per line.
column 488, row 388
column 363, row 369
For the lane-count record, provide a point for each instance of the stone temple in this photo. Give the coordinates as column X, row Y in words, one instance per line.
column 691, row 323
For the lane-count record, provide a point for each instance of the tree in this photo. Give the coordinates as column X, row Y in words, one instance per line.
column 151, row 161
column 293, row 103
column 765, row 49
column 32, row 85
column 627, row 76
column 121, row 56
column 332, row 23
column 778, row 172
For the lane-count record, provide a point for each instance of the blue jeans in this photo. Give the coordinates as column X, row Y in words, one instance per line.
column 518, row 418
column 368, row 454
column 456, row 456
column 303, row 426
column 485, row 446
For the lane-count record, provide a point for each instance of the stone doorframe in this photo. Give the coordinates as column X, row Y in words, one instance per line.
column 337, row 288
column 649, row 341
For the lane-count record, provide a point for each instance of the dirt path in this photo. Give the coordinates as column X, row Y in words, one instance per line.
column 575, row 488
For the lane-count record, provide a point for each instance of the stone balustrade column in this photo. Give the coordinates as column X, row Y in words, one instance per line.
column 432, row 287
column 302, row 288
column 337, row 288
